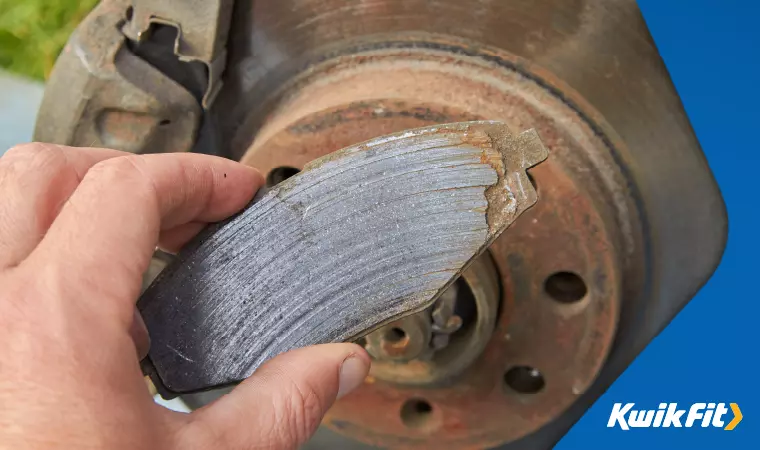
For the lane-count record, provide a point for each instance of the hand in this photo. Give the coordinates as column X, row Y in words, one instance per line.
column 78, row 227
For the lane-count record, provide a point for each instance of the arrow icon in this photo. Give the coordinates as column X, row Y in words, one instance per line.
column 737, row 417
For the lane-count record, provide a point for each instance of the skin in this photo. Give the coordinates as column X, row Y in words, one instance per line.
column 78, row 227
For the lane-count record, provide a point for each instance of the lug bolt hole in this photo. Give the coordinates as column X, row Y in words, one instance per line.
column 394, row 335
column 524, row 380
column 416, row 413
column 280, row 174
column 565, row 287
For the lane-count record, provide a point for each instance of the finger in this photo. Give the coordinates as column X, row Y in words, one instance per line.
column 282, row 404
column 35, row 181
column 172, row 240
column 102, row 241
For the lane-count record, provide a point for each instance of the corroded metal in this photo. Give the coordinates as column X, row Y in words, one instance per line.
column 101, row 94
column 107, row 90
column 359, row 238
column 407, row 352
column 587, row 222
column 566, row 342
column 202, row 27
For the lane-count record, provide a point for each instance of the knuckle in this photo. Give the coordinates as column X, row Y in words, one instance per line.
column 35, row 154
column 128, row 170
column 120, row 167
column 28, row 149
column 24, row 159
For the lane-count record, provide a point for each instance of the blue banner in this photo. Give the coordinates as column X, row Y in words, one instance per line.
column 695, row 385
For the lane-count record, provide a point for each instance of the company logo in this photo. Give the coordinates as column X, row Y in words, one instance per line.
column 669, row 415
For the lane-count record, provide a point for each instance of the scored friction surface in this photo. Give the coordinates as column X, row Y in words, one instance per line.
column 357, row 239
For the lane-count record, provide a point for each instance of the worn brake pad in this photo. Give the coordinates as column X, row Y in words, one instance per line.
column 359, row 238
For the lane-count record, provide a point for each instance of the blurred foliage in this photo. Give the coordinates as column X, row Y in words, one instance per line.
column 33, row 32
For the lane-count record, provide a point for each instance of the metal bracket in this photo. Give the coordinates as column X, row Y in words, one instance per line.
column 102, row 93
column 202, row 27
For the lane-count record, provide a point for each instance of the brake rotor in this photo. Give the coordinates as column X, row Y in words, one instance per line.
column 556, row 296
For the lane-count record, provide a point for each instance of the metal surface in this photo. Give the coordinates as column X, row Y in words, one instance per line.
column 566, row 341
column 586, row 223
column 359, row 238
column 624, row 196
column 202, row 27
column 101, row 94
column 411, row 351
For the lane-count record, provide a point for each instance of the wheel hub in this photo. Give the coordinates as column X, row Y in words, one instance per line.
column 434, row 346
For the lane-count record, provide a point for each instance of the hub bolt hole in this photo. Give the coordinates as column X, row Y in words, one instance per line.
column 394, row 335
column 416, row 413
column 280, row 174
column 524, row 380
column 565, row 287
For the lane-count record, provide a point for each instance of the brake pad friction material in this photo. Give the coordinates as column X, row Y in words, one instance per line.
column 359, row 238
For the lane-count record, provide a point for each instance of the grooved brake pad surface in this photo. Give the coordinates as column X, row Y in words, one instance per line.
column 360, row 237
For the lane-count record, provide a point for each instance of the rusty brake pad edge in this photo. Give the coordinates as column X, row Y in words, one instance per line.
column 359, row 238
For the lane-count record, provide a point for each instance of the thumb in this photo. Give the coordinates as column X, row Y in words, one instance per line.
column 283, row 402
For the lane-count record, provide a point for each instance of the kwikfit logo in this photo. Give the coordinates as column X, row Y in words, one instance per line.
column 668, row 415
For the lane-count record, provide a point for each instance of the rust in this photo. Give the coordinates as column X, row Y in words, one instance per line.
column 573, row 227
column 465, row 345
column 202, row 27
column 363, row 110
column 567, row 343
column 101, row 94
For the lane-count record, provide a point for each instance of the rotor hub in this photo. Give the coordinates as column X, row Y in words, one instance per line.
column 434, row 346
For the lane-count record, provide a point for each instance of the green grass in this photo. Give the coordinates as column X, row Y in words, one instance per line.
column 33, row 32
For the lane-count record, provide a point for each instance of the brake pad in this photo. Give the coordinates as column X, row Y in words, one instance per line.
column 357, row 239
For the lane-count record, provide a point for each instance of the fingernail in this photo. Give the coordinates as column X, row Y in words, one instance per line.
column 352, row 374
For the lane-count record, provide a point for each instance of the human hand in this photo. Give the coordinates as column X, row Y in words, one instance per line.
column 78, row 227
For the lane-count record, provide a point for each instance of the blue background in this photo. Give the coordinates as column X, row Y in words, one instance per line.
column 710, row 352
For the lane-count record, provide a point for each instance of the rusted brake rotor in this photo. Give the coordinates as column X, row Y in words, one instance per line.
column 557, row 295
